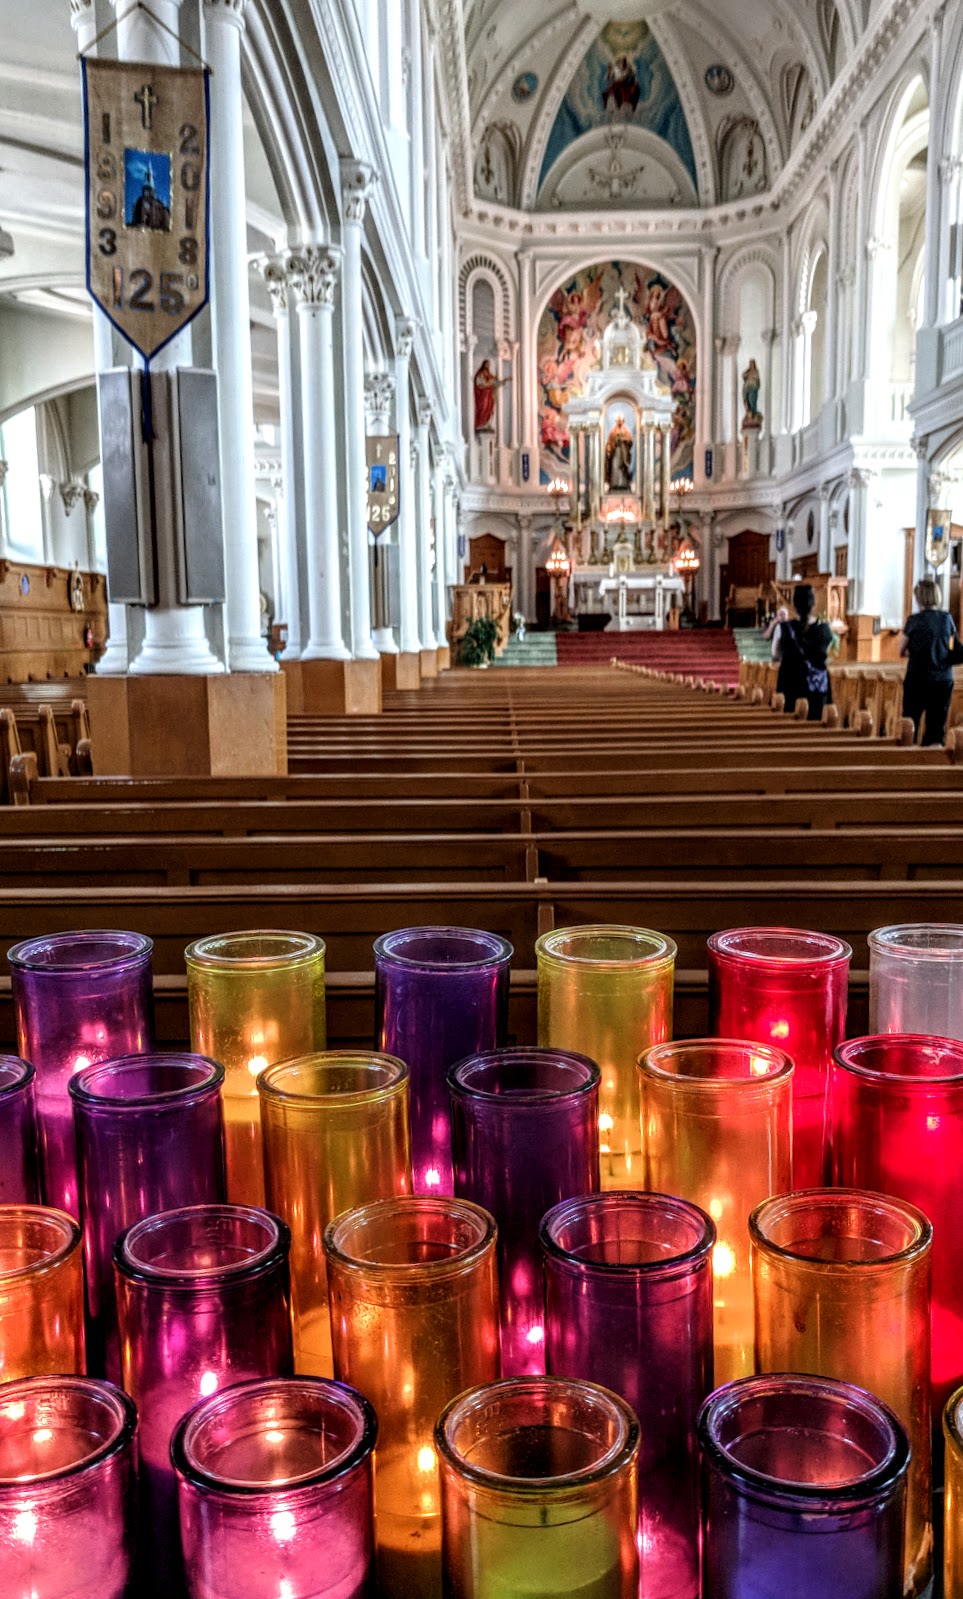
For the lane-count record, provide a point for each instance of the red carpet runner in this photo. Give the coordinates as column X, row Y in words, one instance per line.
column 705, row 652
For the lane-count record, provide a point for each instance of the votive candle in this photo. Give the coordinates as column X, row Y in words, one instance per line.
column 255, row 998
column 628, row 1303
column 414, row 1321
column 539, row 1492
column 916, row 979
column 150, row 1138
column 78, row 998
column 804, row 1489
column 68, row 1475
column 41, row 1292
column 203, row 1302
column 841, row 1281
column 274, row 1484
column 441, row 993
column 953, row 1497
column 19, row 1171
column 717, row 1130
column 782, row 986
column 606, row 991
column 525, row 1135
column 335, row 1130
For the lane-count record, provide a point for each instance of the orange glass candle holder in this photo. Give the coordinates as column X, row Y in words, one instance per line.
column 414, row 1321
column 953, row 1497
column 255, row 998
column 41, row 1293
column 717, row 1130
column 335, row 1131
column 841, row 1281
column 606, row 992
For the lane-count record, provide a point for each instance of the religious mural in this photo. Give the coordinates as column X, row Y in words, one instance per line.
column 570, row 340
column 623, row 78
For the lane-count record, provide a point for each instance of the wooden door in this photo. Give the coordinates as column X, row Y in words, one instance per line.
column 748, row 559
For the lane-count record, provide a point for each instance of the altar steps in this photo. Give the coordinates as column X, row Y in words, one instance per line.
column 535, row 649
column 752, row 644
column 701, row 652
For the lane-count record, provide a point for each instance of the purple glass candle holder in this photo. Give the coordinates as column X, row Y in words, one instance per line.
column 68, row 1474
column 274, row 1482
column 149, row 1138
column 19, row 1170
column 525, row 1135
column 628, row 1302
column 441, row 993
column 804, row 1491
column 203, row 1301
column 79, row 998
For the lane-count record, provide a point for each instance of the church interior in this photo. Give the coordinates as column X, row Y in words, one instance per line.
column 481, row 799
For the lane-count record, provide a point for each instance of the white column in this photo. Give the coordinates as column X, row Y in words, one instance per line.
column 407, row 513
column 666, row 464
column 786, row 407
column 379, row 388
column 861, row 483
column 769, row 338
column 825, row 532
column 528, row 400
column 441, row 592
column 313, row 273
column 231, row 335
column 357, row 181
column 423, row 456
column 416, row 97
column 949, row 286
column 704, row 391
column 524, row 599
column 937, row 222
column 832, row 296
column 648, row 475
column 860, row 296
column 807, row 324
column 276, row 277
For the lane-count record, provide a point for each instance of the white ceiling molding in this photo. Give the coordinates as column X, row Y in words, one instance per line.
column 667, row 38
column 552, row 96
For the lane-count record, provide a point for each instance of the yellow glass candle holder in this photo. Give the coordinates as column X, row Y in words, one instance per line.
column 255, row 998
column 41, row 1293
column 606, row 992
column 841, row 1282
column 953, row 1497
column 414, row 1321
column 335, row 1132
column 717, row 1130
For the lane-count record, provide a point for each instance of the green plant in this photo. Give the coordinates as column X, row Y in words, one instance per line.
column 478, row 644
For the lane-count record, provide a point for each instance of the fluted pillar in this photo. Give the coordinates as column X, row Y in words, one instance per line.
column 379, row 389
column 429, row 640
column 441, row 593
column 357, row 181
column 276, row 278
column 410, row 642
column 648, row 478
column 313, row 273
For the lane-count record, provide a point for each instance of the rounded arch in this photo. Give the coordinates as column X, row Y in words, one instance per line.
column 646, row 261
column 377, row 321
column 487, row 269
column 297, row 142
column 902, row 134
column 752, row 260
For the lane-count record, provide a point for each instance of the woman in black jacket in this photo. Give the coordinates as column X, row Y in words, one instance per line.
column 802, row 649
column 928, row 642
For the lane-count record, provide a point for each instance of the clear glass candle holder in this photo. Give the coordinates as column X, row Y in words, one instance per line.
column 781, row 986
column 255, row 998
column 274, row 1484
column 414, row 1321
column 916, row 979
column 202, row 1302
column 953, row 1497
column 441, row 993
column 898, row 1129
column 68, row 1478
column 804, row 1490
column 41, row 1293
column 607, row 992
column 335, row 1130
column 150, row 1138
column 525, row 1135
column 78, row 998
column 717, row 1130
column 539, row 1491
column 841, row 1281
column 19, row 1169
column 628, row 1303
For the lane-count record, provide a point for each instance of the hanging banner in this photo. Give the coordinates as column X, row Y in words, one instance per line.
column 147, row 171
column 939, row 527
column 382, row 482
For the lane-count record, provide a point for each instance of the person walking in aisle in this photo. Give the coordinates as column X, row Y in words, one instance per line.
column 802, row 649
column 930, row 646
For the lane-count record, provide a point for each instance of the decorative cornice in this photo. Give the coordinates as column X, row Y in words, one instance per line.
column 358, row 180
column 312, row 273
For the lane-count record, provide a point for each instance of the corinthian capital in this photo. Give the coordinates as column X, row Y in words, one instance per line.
column 358, row 180
column 312, row 274
column 227, row 11
column 379, row 388
column 274, row 271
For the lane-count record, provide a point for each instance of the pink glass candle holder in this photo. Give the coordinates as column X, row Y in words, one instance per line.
column 441, row 993
column 68, row 1474
column 524, row 1136
column 203, row 1301
column 19, row 1171
column 41, row 1292
column 78, row 998
column 898, row 1129
column 539, row 1491
column 804, row 1489
column 274, row 1483
column 149, row 1138
column 777, row 985
column 916, row 979
column 628, row 1302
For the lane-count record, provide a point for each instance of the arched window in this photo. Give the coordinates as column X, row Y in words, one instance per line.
column 818, row 301
column 20, row 495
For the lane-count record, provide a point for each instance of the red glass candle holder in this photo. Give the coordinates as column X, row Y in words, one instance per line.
column 274, row 1484
column 78, row 998
column 525, row 1135
column 777, row 985
column 19, row 1171
column 68, row 1474
column 628, row 1302
column 898, row 1129
column 41, row 1292
column 916, row 979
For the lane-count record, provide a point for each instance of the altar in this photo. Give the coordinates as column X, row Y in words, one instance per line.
column 640, row 602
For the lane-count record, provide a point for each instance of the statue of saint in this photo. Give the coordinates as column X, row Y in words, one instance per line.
column 751, row 384
column 485, row 385
column 618, row 456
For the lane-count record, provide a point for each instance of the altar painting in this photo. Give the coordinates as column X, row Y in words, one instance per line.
column 569, row 344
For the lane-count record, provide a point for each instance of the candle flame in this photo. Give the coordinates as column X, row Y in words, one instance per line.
column 273, row 1436
column 43, row 1435
column 283, row 1525
column 256, row 1064
column 427, row 1459
column 208, row 1384
column 779, row 1030
column 723, row 1260
column 80, row 1062
column 606, row 1122
column 932, row 1124
column 25, row 1526
column 758, row 1064
column 716, row 1207
column 535, row 1335
column 15, row 1411
column 432, row 1177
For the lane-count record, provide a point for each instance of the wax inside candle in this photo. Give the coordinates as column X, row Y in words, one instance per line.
column 408, row 1521
column 243, row 1155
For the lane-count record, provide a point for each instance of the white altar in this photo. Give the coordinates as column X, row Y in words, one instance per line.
column 650, row 597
